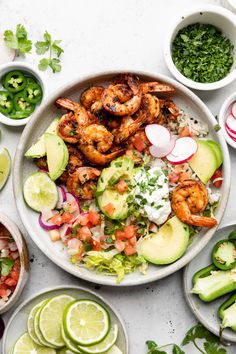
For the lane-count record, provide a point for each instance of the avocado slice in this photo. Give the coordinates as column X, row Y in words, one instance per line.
column 38, row 149
column 216, row 147
column 205, row 161
column 168, row 244
column 119, row 202
column 57, row 155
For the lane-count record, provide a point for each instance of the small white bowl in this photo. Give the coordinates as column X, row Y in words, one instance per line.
column 27, row 69
column 207, row 14
column 224, row 112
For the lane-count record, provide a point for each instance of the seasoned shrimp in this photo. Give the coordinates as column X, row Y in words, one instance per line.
column 82, row 182
column 128, row 127
column 114, row 97
column 81, row 115
column 188, row 198
column 98, row 136
column 42, row 163
column 170, row 109
column 67, row 128
column 151, row 107
column 91, row 95
column 157, row 87
column 95, row 157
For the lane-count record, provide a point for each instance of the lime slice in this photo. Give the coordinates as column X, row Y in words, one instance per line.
column 114, row 350
column 69, row 343
column 40, row 192
column 30, row 322
column 50, row 320
column 38, row 333
column 103, row 346
column 5, row 166
column 25, row 345
column 86, row 322
column 65, row 351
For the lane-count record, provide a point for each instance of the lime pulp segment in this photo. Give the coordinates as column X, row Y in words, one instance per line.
column 69, row 343
column 25, row 345
column 38, row 333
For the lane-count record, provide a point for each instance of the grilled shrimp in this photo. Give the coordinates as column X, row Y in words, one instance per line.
column 67, row 128
column 81, row 115
column 128, row 127
column 91, row 95
column 95, row 157
column 98, row 136
column 157, row 87
column 188, row 198
column 114, row 98
column 82, row 182
column 151, row 107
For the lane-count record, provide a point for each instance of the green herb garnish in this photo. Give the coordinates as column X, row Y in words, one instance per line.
column 6, row 266
column 201, row 53
column 18, row 40
column 217, row 127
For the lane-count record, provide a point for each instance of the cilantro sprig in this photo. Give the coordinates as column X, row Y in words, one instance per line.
column 55, row 51
column 18, row 40
column 203, row 340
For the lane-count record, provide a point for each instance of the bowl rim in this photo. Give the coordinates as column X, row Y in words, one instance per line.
column 167, row 270
column 24, row 260
column 215, row 9
column 222, row 117
column 24, row 66
column 63, row 288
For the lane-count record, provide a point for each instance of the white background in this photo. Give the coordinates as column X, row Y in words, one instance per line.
column 99, row 35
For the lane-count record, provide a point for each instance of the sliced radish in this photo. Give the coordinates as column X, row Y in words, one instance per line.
column 162, row 151
column 157, row 134
column 231, row 123
column 231, row 135
column 233, row 110
column 61, row 196
column 45, row 223
column 184, row 149
column 7, row 54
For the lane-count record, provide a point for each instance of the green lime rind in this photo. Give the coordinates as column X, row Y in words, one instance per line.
column 50, row 319
column 69, row 343
column 25, row 345
column 30, row 322
column 86, row 322
column 38, row 333
column 40, row 192
column 5, row 166
column 104, row 345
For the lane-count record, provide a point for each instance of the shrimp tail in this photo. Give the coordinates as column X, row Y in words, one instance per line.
column 202, row 221
column 97, row 158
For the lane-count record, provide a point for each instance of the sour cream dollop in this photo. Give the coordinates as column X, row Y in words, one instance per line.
column 152, row 194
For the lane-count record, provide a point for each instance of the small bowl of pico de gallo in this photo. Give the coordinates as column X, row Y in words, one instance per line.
column 227, row 119
column 14, row 265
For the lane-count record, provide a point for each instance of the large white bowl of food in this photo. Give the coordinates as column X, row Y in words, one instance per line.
column 121, row 179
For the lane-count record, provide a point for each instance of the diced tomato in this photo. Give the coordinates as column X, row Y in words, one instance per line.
column 10, row 282
column 109, row 208
column 120, row 235
column 84, row 233
column 72, row 207
column 94, row 218
column 16, row 266
column 217, row 174
column 83, row 219
column 129, row 231
column 119, row 245
column 14, row 274
column 3, row 287
column 96, row 246
column 185, row 131
column 173, row 177
column 184, row 176
column 67, row 217
column 129, row 250
column 139, row 144
column 121, row 186
column 3, row 292
column 57, row 219
column 133, row 241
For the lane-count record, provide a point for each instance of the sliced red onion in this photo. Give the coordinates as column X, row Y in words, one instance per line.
column 70, row 198
column 61, row 197
column 46, row 224
column 162, row 150
column 65, row 230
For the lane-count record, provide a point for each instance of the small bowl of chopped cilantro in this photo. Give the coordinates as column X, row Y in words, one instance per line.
column 200, row 50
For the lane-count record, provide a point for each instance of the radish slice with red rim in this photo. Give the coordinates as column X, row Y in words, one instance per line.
column 231, row 123
column 45, row 223
column 231, row 135
column 61, row 196
column 184, row 149
column 233, row 109
column 157, row 134
column 162, row 151
column 7, row 54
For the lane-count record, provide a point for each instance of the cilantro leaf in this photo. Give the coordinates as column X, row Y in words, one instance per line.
column 24, row 45
column 177, row 350
column 6, row 265
column 213, row 348
column 10, row 39
column 47, row 37
column 18, row 41
column 43, row 64
column 41, row 47
column 151, row 344
column 57, row 48
column 197, row 331
column 55, row 65
column 21, row 32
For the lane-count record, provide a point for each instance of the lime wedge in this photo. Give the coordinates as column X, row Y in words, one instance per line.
column 86, row 322
column 30, row 322
column 38, row 333
column 25, row 345
column 69, row 343
column 50, row 320
column 103, row 346
column 40, row 192
column 5, row 166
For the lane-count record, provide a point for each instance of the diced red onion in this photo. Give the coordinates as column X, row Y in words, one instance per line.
column 61, row 197
column 46, row 224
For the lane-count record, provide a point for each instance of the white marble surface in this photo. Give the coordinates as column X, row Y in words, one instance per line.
column 99, row 35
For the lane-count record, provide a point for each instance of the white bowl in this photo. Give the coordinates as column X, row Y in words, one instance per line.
column 207, row 14
column 185, row 99
column 224, row 112
column 28, row 69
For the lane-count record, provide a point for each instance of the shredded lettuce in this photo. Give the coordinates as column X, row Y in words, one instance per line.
column 111, row 263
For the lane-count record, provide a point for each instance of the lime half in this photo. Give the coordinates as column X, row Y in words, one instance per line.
column 5, row 166
column 40, row 192
column 86, row 322
column 103, row 346
column 30, row 322
column 50, row 320
column 69, row 343
column 25, row 345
